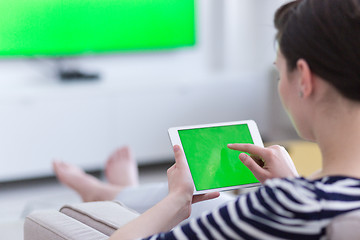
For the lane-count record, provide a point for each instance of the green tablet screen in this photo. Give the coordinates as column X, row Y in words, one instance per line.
column 211, row 162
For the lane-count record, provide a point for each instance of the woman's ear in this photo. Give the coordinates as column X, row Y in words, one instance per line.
column 306, row 83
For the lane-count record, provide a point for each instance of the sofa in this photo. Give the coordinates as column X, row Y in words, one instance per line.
column 98, row 220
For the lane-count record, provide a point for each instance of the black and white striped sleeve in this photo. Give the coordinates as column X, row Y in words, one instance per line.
column 278, row 210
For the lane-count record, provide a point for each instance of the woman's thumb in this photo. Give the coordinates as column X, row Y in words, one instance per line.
column 179, row 156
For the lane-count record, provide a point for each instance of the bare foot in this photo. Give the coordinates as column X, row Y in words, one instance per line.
column 121, row 168
column 87, row 186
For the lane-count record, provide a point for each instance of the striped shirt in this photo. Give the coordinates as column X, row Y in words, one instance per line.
column 294, row 208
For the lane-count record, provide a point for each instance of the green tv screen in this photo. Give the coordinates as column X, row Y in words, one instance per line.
column 34, row 28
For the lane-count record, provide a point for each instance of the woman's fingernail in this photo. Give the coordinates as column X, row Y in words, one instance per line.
column 243, row 156
column 176, row 148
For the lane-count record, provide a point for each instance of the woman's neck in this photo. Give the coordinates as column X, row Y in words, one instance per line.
column 339, row 139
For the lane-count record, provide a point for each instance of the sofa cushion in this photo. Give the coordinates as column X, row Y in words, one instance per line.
column 345, row 226
column 105, row 216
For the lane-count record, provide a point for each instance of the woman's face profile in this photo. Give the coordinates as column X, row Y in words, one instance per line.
column 289, row 92
column 284, row 84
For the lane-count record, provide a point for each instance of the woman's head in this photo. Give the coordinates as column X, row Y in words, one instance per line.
column 326, row 34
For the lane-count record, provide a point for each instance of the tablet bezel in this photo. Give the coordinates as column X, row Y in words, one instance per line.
column 255, row 134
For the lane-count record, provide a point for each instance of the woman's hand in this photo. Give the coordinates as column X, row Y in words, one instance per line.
column 181, row 183
column 170, row 211
column 266, row 163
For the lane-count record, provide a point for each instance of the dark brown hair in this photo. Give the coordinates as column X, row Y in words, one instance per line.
column 325, row 33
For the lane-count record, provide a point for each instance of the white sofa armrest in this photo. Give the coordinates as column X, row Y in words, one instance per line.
column 53, row 225
column 82, row 221
column 105, row 216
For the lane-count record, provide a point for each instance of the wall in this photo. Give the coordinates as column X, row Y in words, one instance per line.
column 225, row 77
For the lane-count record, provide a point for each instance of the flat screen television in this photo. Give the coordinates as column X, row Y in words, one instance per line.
column 63, row 28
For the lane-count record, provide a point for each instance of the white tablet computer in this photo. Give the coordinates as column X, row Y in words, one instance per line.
column 213, row 166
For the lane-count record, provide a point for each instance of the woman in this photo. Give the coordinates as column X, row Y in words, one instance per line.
column 319, row 65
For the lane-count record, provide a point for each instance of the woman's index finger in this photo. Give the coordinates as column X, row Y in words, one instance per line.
column 249, row 148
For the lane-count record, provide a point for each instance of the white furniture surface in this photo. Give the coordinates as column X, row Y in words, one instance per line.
column 83, row 123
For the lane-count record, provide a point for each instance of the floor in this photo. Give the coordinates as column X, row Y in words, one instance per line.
column 18, row 199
